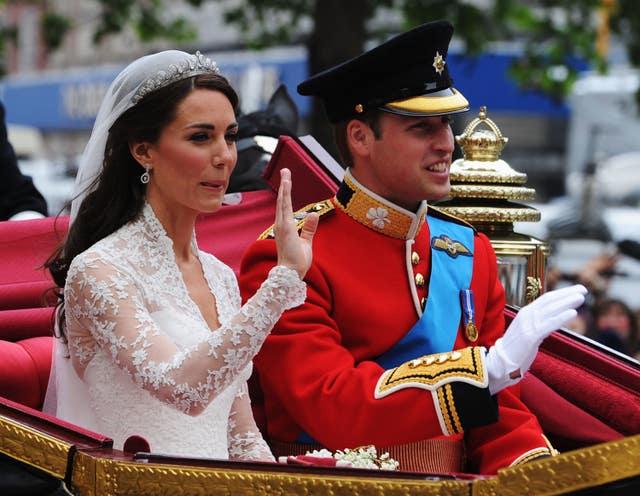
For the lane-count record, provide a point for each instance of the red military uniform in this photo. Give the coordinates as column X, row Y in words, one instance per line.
column 365, row 290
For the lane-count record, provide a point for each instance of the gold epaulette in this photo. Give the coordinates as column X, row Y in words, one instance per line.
column 433, row 371
column 321, row 208
column 436, row 212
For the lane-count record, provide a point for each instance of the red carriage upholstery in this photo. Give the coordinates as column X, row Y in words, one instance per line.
column 582, row 392
column 25, row 313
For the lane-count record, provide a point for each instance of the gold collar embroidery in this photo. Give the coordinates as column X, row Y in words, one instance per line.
column 373, row 211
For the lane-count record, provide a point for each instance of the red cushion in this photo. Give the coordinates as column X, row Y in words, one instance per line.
column 582, row 392
column 568, row 426
column 26, row 245
column 598, row 396
column 24, row 370
column 40, row 350
column 28, row 294
column 25, row 323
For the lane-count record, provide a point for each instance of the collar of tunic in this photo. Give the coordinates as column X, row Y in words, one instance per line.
column 374, row 212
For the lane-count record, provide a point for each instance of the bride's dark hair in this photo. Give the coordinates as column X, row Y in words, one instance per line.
column 117, row 194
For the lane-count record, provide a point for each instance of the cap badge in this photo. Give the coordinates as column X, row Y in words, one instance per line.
column 438, row 63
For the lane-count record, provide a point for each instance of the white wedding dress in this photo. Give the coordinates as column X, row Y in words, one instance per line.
column 141, row 358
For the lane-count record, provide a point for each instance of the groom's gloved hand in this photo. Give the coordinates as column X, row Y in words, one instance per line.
column 512, row 355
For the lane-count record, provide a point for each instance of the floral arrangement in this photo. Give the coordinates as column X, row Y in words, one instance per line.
column 362, row 457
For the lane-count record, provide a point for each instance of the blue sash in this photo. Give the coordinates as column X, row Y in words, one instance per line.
column 451, row 271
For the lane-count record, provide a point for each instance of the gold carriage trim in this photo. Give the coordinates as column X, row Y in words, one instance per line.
column 34, row 447
column 433, row 371
column 93, row 476
column 321, row 208
column 568, row 472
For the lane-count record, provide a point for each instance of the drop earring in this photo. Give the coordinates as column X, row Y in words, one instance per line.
column 145, row 177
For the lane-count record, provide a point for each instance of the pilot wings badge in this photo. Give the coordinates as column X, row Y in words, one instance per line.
column 450, row 246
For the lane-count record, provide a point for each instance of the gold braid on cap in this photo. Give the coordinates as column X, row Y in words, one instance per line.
column 192, row 66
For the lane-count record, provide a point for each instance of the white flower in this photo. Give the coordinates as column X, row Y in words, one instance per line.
column 323, row 453
column 362, row 457
column 378, row 216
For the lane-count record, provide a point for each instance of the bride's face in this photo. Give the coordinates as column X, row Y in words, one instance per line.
column 195, row 154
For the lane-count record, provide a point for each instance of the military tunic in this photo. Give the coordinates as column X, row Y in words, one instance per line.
column 366, row 288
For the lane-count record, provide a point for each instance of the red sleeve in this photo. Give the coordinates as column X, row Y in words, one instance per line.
column 517, row 433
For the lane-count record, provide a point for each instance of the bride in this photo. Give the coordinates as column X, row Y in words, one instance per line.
column 153, row 339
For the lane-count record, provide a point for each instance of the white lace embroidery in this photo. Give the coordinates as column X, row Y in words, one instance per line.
column 131, row 324
column 245, row 440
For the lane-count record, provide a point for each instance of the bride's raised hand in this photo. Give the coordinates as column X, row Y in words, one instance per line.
column 294, row 250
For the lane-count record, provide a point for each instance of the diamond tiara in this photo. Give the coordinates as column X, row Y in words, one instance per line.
column 192, row 66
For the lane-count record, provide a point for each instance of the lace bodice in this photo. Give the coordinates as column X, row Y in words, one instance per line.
column 150, row 363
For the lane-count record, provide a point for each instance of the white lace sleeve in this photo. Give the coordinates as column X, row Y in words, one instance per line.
column 245, row 440
column 106, row 302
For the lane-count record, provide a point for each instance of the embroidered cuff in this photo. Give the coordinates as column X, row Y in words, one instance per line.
column 284, row 285
column 531, row 455
column 458, row 384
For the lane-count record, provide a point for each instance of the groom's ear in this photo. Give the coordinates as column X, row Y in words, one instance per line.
column 141, row 152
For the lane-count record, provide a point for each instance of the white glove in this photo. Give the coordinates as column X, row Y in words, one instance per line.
column 512, row 355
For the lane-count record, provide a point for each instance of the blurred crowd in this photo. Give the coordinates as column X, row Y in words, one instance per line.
column 607, row 320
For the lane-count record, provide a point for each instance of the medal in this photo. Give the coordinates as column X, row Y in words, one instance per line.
column 468, row 315
column 471, row 331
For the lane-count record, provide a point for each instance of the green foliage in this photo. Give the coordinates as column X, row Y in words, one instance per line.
column 113, row 17
column 146, row 18
column 54, row 28
column 267, row 22
column 474, row 26
column 149, row 27
column 6, row 33
column 553, row 40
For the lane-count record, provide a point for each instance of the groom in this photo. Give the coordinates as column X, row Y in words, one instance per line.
column 401, row 341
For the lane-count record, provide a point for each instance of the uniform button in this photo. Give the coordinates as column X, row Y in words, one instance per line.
column 423, row 302
column 419, row 280
column 415, row 258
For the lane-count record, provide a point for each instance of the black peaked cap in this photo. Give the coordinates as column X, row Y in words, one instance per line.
column 408, row 65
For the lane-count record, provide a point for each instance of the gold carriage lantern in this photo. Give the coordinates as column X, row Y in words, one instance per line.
column 483, row 187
